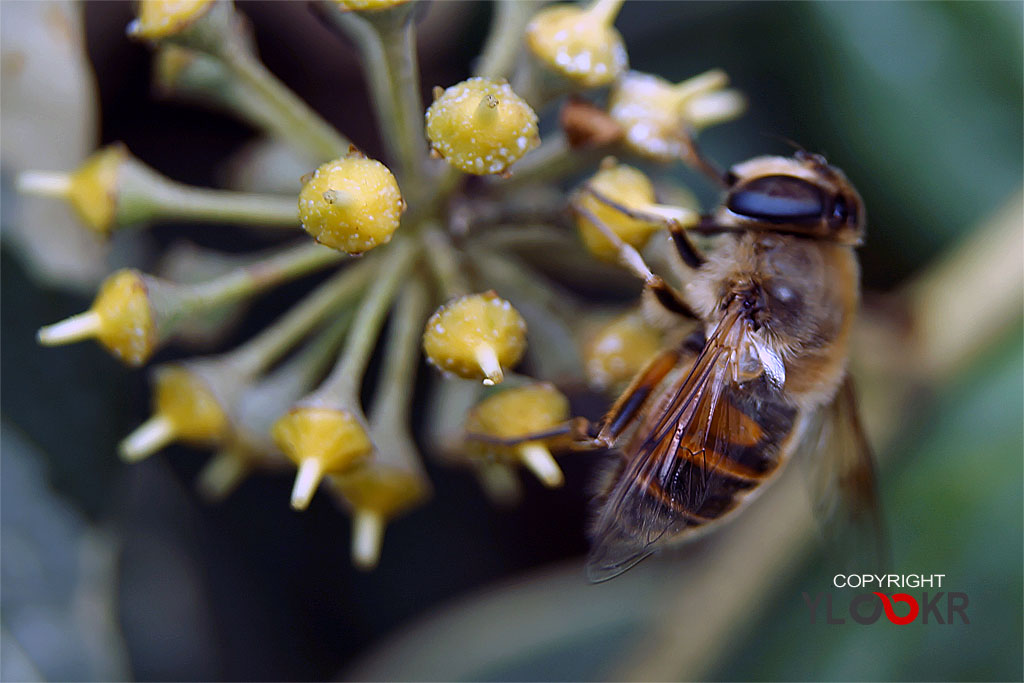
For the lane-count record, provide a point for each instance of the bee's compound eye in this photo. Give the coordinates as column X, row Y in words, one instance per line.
column 779, row 199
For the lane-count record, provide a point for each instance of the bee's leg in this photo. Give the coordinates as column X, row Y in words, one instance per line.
column 686, row 249
column 696, row 160
column 636, row 395
column 631, row 258
column 585, row 435
column 582, row 433
column 708, row 225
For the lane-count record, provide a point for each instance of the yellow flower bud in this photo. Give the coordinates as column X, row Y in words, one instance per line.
column 581, row 44
column 517, row 413
column 368, row 5
column 627, row 186
column 351, row 204
column 91, row 189
column 475, row 336
column 376, row 493
column 320, row 441
column 481, row 126
column 657, row 114
column 185, row 408
column 161, row 18
column 618, row 350
column 121, row 319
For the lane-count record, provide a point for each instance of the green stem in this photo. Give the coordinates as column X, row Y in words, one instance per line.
column 343, row 384
column 510, row 274
column 142, row 195
column 403, row 69
column 505, row 40
column 393, row 400
column 174, row 201
column 443, row 261
column 388, row 46
column 249, row 280
column 292, row 117
column 264, row 349
column 552, row 161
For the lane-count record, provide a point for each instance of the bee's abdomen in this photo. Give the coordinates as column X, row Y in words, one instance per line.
column 721, row 459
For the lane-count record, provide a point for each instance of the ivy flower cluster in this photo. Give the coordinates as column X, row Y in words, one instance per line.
column 438, row 249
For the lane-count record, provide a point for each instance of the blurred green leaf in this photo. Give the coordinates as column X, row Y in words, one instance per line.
column 953, row 504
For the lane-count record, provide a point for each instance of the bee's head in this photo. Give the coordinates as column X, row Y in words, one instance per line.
column 801, row 195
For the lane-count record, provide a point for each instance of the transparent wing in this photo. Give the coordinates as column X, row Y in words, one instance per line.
column 682, row 468
column 838, row 459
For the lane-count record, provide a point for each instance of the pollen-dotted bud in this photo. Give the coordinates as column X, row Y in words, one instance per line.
column 351, row 204
column 481, row 126
column 617, row 350
column 161, row 18
column 475, row 336
column 579, row 43
column 657, row 114
column 185, row 408
column 320, row 441
column 121, row 318
column 627, row 186
column 377, row 492
column 515, row 414
column 91, row 189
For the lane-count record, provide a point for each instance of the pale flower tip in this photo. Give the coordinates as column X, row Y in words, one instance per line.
column 500, row 483
column 715, row 107
column 487, row 111
column 487, row 358
column 149, row 437
column 605, row 11
column 367, row 538
column 44, row 183
column 306, row 483
column 538, row 459
column 70, row 330
column 714, row 79
column 339, row 198
column 221, row 475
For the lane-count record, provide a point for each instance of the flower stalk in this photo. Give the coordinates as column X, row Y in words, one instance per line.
column 251, row 446
column 113, row 189
column 325, row 432
column 134, row 314
column 343, row 384
column 387, row 41
column 393, row 479
column 505, row 40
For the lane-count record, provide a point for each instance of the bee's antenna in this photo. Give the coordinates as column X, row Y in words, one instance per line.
column 787, row 141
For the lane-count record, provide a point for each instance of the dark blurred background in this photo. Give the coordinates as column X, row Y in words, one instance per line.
column 920, row 104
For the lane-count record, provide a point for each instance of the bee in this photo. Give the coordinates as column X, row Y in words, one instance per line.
column 707, row 423
column 705, row 426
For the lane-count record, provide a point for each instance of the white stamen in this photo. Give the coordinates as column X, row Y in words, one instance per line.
column 367, row 538
column 71, row 330
column 539, row 460
column 487, row 359
column 147, row 439
column 44, row 183
column 306, row 483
